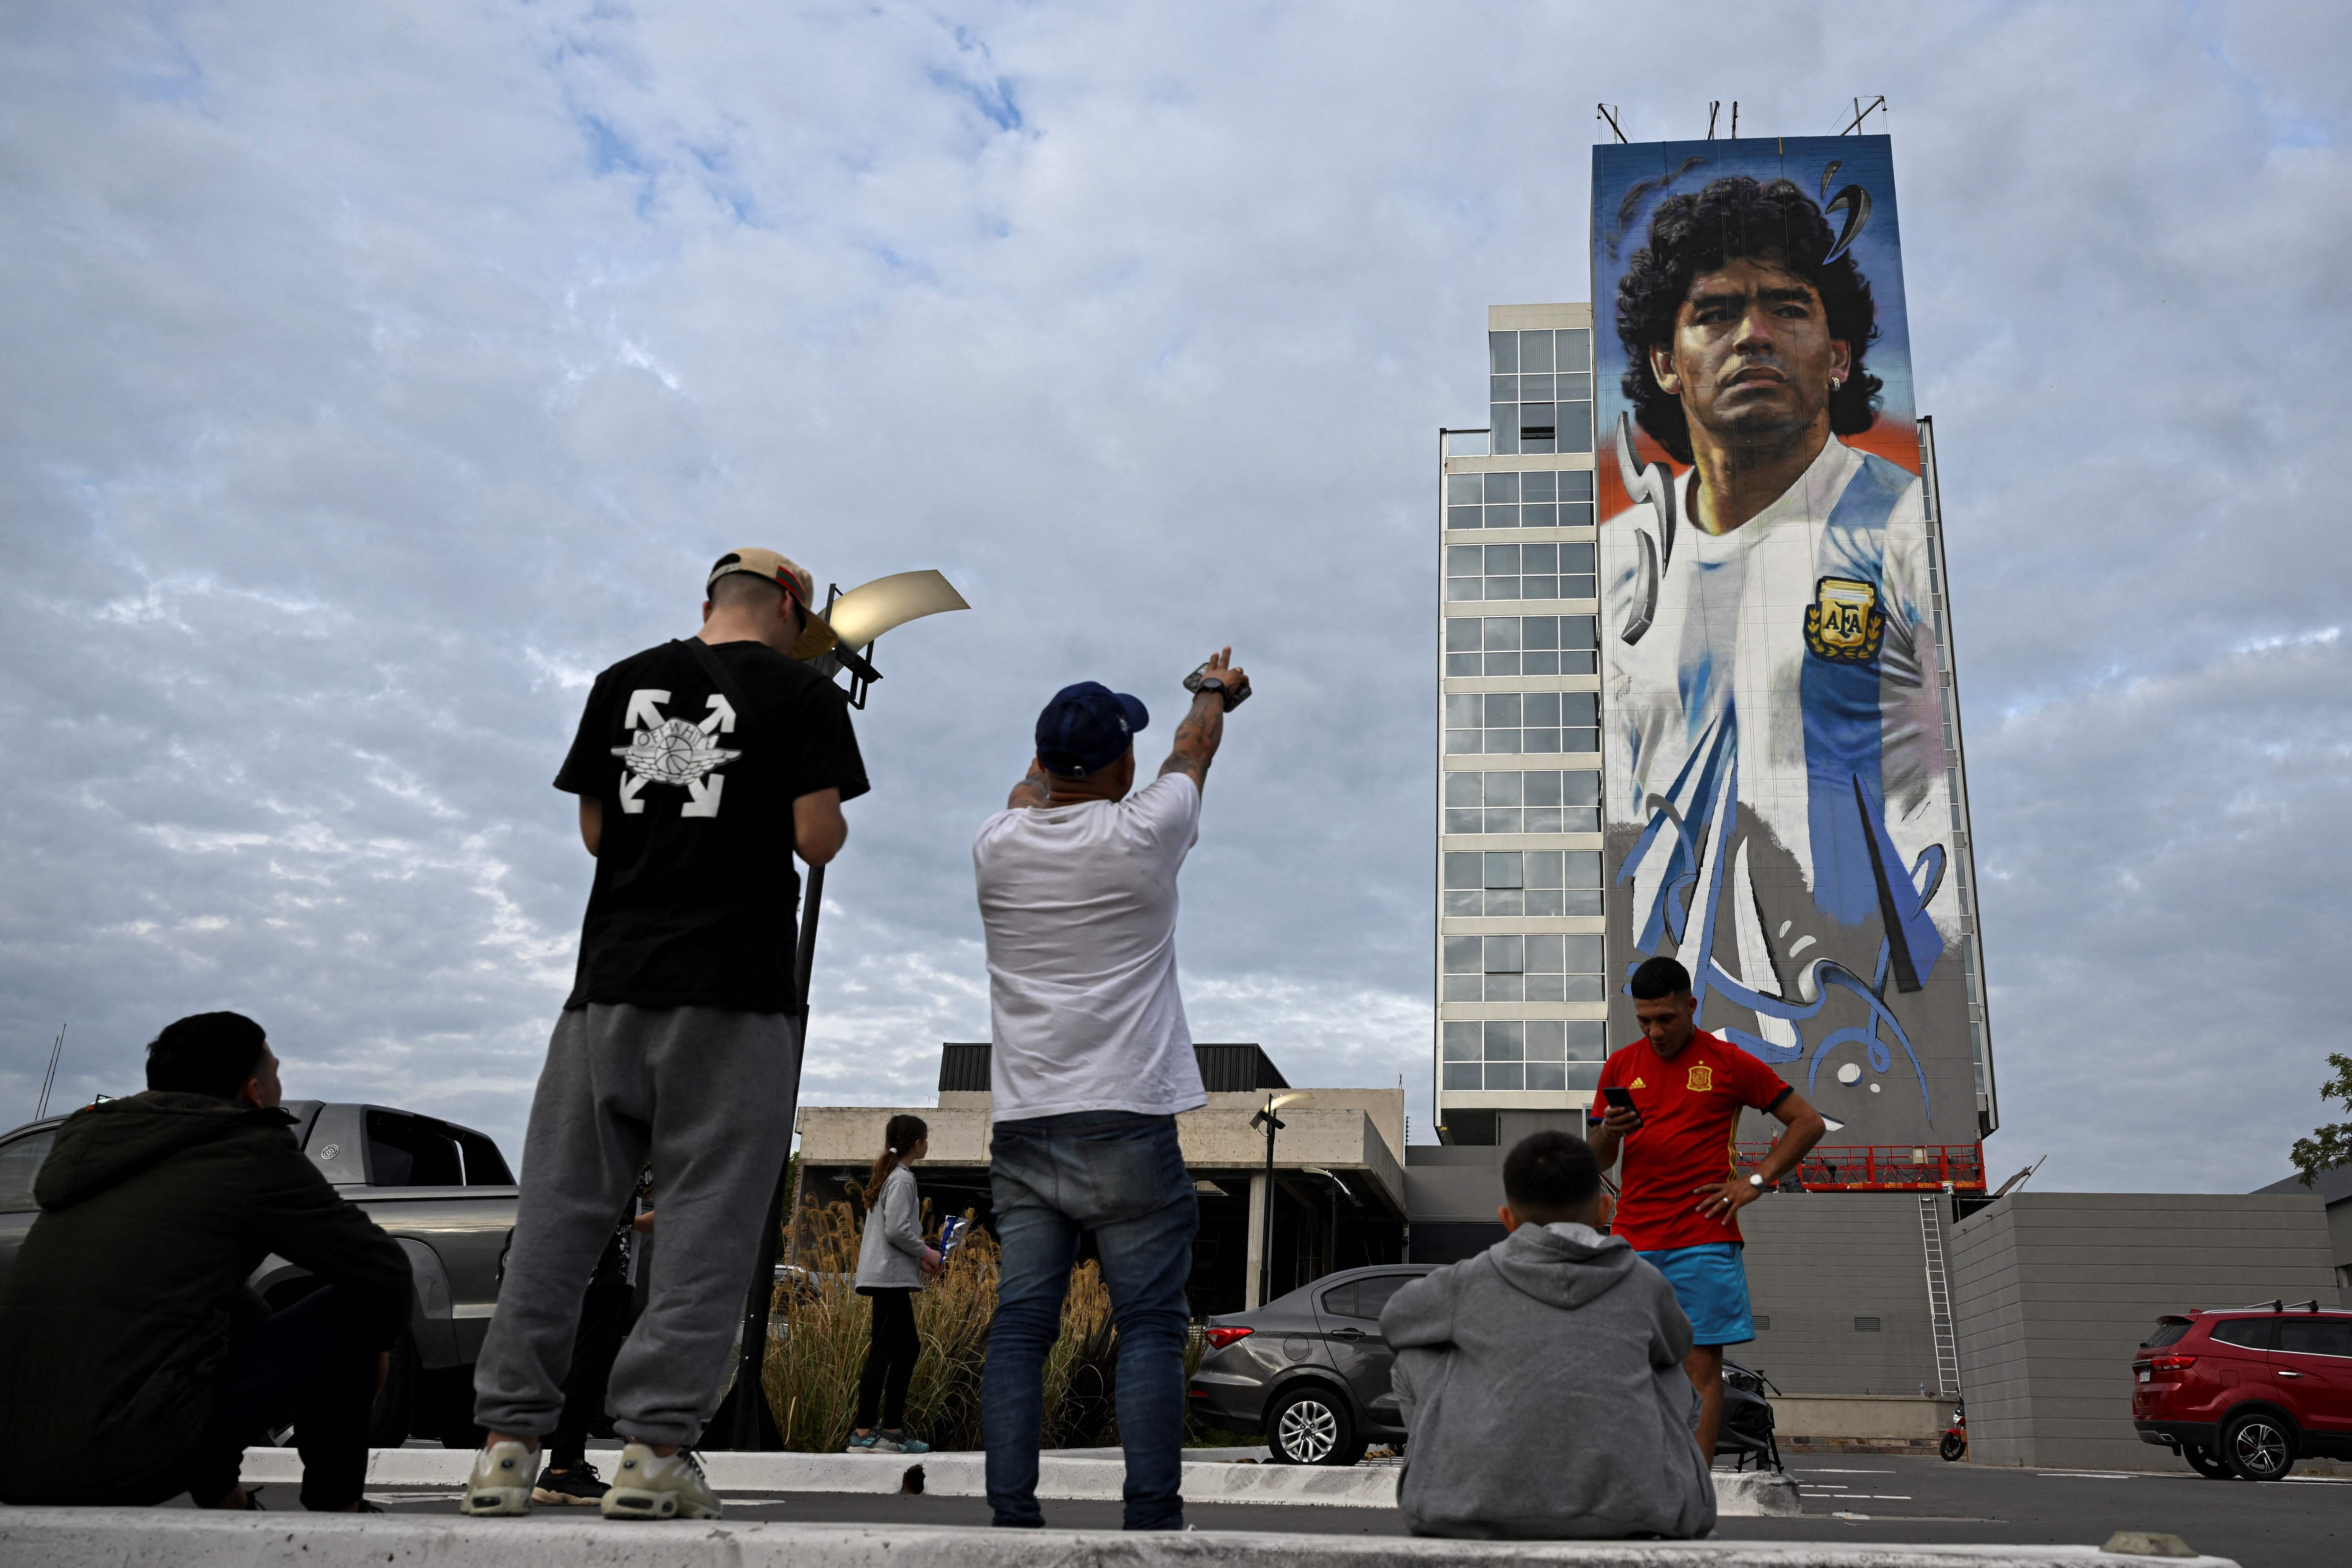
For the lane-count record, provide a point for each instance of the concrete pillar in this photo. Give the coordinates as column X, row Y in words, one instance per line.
column 1257, row 1254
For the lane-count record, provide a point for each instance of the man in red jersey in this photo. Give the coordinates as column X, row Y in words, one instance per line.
column 1682, row 1187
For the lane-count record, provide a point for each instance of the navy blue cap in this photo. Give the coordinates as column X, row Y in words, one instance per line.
column 1087, row 727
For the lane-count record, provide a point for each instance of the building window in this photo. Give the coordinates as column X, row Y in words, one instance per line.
column 1509, row 724
column 1543, row 1053
column 1523, row 803
column 1539, row 390
column 1520, row 572
column 1523, row 969
column 1521, row 645
column 1523, row 882
column 1556, row 499
column 1865, row 1325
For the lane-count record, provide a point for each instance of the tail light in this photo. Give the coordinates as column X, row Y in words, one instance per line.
column 2170, row 1362
column 1220, row 1337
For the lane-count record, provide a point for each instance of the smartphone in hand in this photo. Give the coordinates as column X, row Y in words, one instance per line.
column 1235, row 696
column 1620, row 1099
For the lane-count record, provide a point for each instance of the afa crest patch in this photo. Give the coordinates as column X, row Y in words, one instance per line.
column 1845, row 622
column 1702, row 1079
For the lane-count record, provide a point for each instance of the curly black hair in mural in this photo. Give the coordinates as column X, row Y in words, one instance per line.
column 1693, row 234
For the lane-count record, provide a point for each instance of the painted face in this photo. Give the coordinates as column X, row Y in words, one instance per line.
column 1752, row 356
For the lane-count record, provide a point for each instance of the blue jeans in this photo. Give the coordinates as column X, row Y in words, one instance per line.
column 1120, row 1176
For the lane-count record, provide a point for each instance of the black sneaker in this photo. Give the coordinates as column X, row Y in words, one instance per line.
column 578, row 1485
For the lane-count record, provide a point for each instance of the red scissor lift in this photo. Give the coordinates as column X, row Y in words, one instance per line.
column 1883, row 1167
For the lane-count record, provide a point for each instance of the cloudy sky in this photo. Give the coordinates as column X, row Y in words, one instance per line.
column 370, row 376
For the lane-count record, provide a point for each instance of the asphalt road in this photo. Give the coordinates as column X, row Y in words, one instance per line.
column 2296, row 1523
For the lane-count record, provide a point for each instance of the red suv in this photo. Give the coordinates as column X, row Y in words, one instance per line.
column 2243, row 1391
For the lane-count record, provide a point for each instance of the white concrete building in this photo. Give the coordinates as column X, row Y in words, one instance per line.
column 1521, row 1008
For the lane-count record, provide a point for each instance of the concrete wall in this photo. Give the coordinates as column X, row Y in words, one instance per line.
column 2051, row 1293
column 1351, row 1131
column 1818, row 1261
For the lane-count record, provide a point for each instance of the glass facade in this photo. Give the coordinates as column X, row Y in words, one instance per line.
column 1539, row 390
column 1521, row 645
column 1557, row 1054
column 1540, row 498
column 1522, row 803
column 1520, row 946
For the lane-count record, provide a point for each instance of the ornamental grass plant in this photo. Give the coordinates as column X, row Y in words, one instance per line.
column 820, row 1327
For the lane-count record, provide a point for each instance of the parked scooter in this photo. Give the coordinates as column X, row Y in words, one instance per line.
column 1746, row 1431
column 1956, row 1436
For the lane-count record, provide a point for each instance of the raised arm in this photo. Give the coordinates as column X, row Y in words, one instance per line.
column 1203, row 727
column 1035, row 790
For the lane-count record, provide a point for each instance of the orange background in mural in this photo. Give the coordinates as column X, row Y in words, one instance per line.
column 1897, row 441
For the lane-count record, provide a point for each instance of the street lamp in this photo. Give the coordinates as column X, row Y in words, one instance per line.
column 858, row 618
column 1273, row 1125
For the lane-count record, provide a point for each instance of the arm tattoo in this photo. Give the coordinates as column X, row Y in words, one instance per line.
column 1031, row 791
column 1197, row 738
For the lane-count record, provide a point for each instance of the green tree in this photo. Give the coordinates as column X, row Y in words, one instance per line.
column 2327, row 1146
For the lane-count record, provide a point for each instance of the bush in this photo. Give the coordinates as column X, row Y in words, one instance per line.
column 823, row 1326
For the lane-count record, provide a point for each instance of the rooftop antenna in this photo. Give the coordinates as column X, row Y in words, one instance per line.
column 1735, row 119
column 49, row 1078
column 2020, row 1179
column 1609, row 113
column 1863, row 112
column 1712, row 109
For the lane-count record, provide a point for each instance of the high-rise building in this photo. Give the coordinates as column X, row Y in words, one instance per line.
column 1522, row 1005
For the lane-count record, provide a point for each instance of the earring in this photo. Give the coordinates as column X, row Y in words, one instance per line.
column 1836, row 382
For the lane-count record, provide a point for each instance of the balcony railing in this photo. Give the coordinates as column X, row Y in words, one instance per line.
column 1883, row 1167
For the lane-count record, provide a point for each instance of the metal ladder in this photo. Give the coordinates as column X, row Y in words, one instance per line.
column 1940, row 1298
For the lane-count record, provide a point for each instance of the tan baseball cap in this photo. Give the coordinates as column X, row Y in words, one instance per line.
column 793, row 578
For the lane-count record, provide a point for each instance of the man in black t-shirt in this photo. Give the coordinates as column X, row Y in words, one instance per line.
column 702, row 767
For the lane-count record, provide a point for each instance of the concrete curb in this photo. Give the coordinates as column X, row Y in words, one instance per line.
column 1736, row 1496
column 181, row 1537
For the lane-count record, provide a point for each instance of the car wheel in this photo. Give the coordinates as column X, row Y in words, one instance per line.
column 388, row 1422
column 1312, row 1425
column 2259, row 1447
column 2206, row 1463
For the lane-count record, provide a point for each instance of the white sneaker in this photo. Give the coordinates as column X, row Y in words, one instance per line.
column 501, row 1482
column 646, row 1486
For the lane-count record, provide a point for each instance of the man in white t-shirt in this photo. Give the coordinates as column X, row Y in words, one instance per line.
column 1091, row 1064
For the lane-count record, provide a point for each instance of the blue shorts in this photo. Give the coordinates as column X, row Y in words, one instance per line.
column 1711, row 1283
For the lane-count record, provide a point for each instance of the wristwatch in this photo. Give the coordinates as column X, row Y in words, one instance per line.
column 1756, row 1180
column 1211, row 683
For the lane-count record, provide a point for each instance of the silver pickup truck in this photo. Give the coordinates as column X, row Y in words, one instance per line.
column 442, row 1191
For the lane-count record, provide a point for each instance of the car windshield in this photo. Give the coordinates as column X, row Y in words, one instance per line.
column 2169, row 1330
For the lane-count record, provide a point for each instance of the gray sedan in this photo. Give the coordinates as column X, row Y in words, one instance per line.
column 1309, row 1369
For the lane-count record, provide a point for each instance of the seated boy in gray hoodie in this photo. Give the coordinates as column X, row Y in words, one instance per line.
column 1542, row 1381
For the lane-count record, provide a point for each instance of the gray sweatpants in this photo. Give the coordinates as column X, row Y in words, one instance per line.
column 707, row 1095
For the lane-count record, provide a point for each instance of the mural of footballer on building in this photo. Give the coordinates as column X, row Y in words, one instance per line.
column 1780, row 777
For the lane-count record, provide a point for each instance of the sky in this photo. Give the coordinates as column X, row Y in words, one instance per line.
column 370, row 377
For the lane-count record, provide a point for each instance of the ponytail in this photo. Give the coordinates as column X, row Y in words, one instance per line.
column 903, row 1133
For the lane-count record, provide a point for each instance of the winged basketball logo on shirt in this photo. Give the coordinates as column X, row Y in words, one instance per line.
column 1702, row 1079
column 675, row 751
column 1845, row 622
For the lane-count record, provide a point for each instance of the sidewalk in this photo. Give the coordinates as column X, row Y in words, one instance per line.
column 103, row 1538
column 1060, row 1478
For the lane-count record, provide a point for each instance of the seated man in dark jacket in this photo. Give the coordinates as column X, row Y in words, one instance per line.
column 134, row 1364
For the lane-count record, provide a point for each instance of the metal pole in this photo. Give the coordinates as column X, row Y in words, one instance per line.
column 754, row 1424
column 1265, row 1250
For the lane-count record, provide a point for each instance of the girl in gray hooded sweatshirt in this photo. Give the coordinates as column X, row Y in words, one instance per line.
column 1542, row 1381
column 892, row 1262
